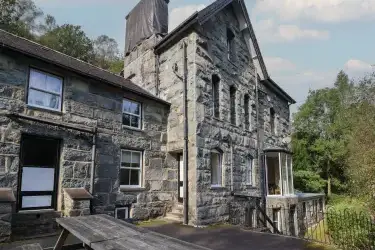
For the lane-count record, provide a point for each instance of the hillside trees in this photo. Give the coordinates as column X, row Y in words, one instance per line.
column 24, row 18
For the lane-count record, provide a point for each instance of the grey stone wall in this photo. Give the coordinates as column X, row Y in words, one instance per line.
column 89, row 103
column 170, row 88
column 211, row 58
column 6, row 211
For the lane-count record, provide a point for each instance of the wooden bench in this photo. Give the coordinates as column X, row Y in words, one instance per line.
column 103, row 232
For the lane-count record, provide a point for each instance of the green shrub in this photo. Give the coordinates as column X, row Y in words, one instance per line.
column 309, row 181
column 350, row 226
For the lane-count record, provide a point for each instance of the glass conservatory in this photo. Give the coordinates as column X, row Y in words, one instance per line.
column 279, row 172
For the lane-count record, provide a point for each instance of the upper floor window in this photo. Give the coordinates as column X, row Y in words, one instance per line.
column 249, row 171
column 131, row 168
column 232, row 92
column 216, row 168
column 230, row 44
column 216, row 95
column 45, row 90
column 131, row 114
column 247, row 111
column 272, row 121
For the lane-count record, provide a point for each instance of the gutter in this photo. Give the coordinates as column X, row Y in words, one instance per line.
column 185, row 152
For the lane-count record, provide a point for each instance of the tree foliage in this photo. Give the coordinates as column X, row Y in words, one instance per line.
column 19, row 17
column 334, row 137
column 24, row 18
column 69, row 39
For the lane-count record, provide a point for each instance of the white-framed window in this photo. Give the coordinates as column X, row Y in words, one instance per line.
column 249, row 171
column 132, row 114
column 131, row 168
column 216, row 169
column 45, row 90
column 122, row 213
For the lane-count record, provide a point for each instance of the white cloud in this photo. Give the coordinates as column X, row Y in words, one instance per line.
column 318, row 10
column 268, row 31
column 276, row 64
column 180, row 14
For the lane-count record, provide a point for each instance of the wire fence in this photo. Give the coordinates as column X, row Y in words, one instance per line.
column 345, row 229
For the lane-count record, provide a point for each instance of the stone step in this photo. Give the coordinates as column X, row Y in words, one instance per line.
column 176, row 217
column 179, row 208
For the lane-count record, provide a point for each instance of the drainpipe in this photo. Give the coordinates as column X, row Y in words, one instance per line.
column 259, row 150
column 92, row 174
column 231, row 166
column 185, row 152
column 157, row 66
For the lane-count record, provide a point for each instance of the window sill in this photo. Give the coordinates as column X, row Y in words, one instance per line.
column 37, row 211
column 132, row 189
column 57, row 112
column 217, row 188
column 131, row 128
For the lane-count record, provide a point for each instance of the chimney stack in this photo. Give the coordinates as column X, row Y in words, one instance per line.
column 149, row 17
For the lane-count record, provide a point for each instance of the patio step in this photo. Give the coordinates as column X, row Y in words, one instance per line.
column 177, row 213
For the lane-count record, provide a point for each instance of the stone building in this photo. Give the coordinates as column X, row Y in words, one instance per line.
column 76, row 139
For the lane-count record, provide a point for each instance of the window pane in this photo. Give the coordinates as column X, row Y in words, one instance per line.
column 36, row 201
column 37, row 179
column 44, row 99
column 135, row 122
column 290, row 174
column 134, row 177
column 135, row 108
column 215, row 169
column 127, row 106
column 136, row 158
column 249, row 172
column 54, row 84
column 284, row 179
column 126, row 119
column 37, row 79
column 124, row 176
column 126, row 157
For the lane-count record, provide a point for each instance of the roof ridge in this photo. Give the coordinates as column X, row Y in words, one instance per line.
column 46, row 47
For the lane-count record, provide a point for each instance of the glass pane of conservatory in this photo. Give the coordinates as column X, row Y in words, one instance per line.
column 290, row 174
column 284, row 179
column 273, row 174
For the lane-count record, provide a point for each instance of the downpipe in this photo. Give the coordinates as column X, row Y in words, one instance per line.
column 92, row 172
column 185, row 150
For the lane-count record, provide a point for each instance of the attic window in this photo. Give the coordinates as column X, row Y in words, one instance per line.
column 230, row 44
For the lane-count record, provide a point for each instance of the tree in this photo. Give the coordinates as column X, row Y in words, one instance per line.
column 69, row 39
column 106, row 54
column 319, row 140
column 19, row 17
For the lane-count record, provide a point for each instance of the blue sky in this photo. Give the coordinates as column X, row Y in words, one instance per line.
column 304, row 42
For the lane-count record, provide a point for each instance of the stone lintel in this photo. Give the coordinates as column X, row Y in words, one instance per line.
column 7, row 195
column 78, row 193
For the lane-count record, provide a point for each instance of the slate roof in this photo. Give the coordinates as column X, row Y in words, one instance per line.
column 41, row 52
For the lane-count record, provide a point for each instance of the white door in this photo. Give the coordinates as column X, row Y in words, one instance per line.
column 181, row 178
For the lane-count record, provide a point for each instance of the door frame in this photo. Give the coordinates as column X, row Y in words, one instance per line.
column 54, row 193
column 180, row 182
